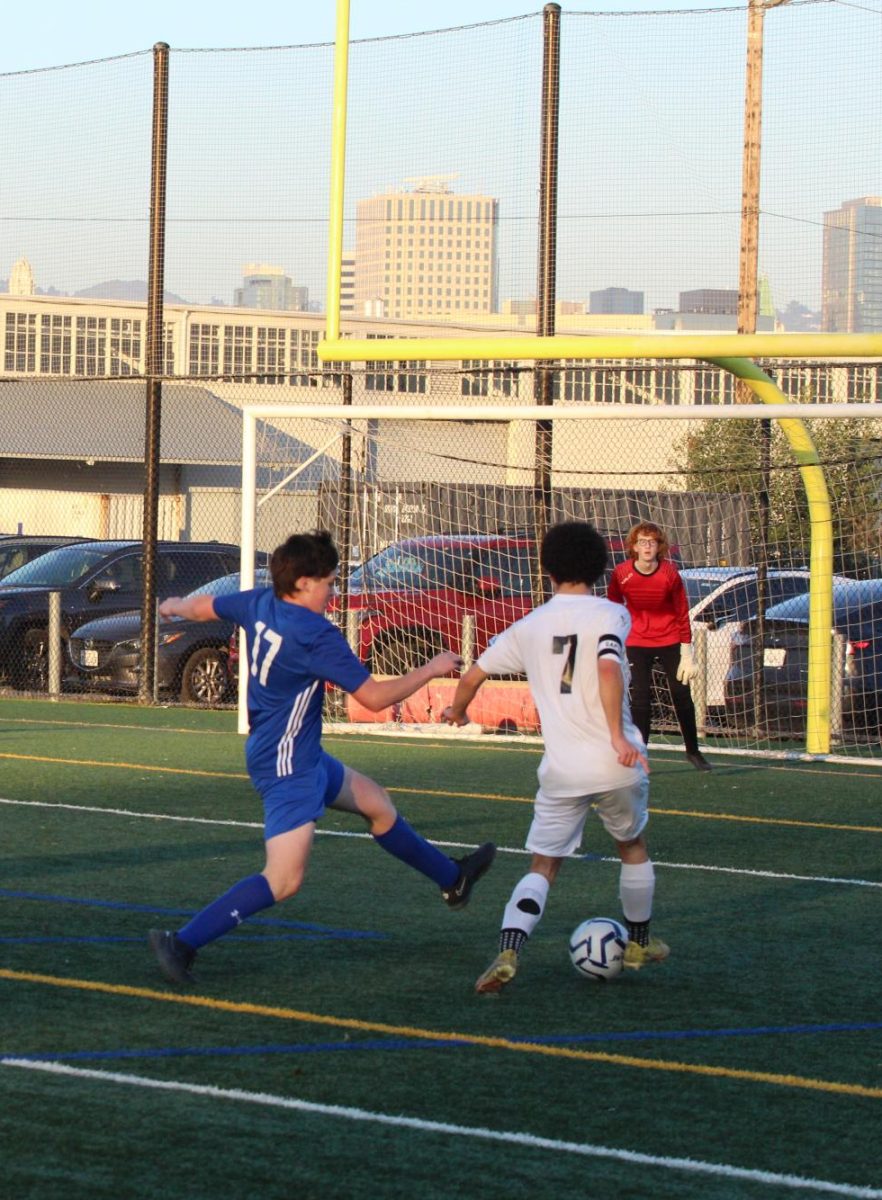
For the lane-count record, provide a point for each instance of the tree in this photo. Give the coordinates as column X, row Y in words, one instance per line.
column 727, row 456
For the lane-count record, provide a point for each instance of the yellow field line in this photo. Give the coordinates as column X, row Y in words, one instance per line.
column 414, row 791
column 704, row 816
column 495, row 1043
column 127, row 766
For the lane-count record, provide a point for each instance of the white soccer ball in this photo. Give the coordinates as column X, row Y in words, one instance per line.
column 597, row 948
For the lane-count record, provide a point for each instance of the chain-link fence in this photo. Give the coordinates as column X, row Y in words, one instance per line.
column 647, row 225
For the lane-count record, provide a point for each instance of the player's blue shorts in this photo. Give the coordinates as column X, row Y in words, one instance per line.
column 293, row 801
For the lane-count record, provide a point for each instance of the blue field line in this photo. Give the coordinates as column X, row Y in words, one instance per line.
column 415, row 1043
column 337, row 935
column 121, row 906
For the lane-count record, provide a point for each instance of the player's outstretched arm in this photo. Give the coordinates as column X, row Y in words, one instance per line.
column 193, row 608
column 376, row 694
column 466, row 690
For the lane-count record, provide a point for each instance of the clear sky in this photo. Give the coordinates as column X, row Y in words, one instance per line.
column 57, row 32
column 651, row 125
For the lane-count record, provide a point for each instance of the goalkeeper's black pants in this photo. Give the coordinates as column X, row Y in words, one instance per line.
column 642, row 659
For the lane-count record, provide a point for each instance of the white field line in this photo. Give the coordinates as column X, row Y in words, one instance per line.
column 511, row 1138
column 674, row 866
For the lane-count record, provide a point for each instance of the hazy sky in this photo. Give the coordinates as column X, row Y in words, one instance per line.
column 57, row 32
column 651, row 125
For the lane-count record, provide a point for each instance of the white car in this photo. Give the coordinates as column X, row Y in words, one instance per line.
column 721, row 599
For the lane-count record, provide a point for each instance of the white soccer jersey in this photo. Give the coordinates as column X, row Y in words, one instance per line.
column 558, row 646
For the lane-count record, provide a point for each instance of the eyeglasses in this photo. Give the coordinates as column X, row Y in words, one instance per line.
column 647, row 541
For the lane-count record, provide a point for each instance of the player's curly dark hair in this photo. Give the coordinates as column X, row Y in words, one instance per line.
column 574, row 552
column 304, row 554
column 649, row 530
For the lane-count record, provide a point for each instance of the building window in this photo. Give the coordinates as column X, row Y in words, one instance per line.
column 238, row 341
column 21, row 342
column 204, row 350
column 304, row 355
column 55, row 345
column 91, row 346
column 125, row 346
column 271, row 345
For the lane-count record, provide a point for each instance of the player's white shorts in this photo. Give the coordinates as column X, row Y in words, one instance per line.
column 558, row 821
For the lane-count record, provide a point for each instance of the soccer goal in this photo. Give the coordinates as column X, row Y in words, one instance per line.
column 438, row 512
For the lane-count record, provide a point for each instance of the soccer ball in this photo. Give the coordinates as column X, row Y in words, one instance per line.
column 597, row 948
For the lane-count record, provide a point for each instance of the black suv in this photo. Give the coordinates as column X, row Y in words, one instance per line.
column 16, row 549
column 94, row 579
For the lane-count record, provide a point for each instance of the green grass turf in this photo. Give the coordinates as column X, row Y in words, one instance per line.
column 769, row 957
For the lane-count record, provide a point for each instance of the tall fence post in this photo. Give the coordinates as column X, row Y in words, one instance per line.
column 546, row 293
column 54, row 646
column 154, row 356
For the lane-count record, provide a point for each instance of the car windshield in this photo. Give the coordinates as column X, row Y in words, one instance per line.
column 411, row 566
column 699, row 587
column 853, row 600
column 422, row 566
column 225, row 585
column 11, row 558
column 61, row 567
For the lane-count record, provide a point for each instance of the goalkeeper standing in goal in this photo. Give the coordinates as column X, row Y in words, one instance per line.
column 293, row 651
column 650, row 587
column 572, row 650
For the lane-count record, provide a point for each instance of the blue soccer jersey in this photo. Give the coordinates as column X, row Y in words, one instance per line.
column 292, row 653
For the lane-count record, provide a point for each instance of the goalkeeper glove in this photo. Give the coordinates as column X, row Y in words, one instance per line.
column 687, row 669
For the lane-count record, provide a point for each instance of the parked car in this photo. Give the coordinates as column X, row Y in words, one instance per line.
column 16, row 549
column 93, row 578
column 722, row 599
column 192, row 657
column 411, row 600
column 781, row 705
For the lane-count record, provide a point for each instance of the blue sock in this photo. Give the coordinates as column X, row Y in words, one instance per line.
column 243, row 900
column 405, row 843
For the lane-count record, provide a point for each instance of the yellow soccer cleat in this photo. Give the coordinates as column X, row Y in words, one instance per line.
column 637, row 956
column 500, row 972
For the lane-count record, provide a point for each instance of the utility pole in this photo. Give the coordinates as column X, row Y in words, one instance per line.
column 750, row 170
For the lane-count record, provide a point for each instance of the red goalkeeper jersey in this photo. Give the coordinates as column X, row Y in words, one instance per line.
column 657, row 604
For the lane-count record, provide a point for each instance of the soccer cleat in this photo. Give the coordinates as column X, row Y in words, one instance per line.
column 500, row 972
column 699, row 761
column 637, row 956
column 174, row 956
column 471, row 868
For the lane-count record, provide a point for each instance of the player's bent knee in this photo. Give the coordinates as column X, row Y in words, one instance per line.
column 284, row 888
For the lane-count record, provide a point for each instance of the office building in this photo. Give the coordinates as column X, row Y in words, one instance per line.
column 427, row 252
column 615, row 300
column 719, row 301
column 347, row 282
column 851, row 279
column 270, row 288
column 21, row 279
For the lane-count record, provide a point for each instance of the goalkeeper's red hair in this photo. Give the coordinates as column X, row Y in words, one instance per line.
column 646, row 529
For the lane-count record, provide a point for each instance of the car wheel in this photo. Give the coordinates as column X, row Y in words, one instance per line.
column 401, row 652
column 206, row 677
column 35, row 666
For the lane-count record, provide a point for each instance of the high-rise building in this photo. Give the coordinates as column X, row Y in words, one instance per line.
column 21, row 279
column 720, row 301
column 426, row 252
column 269, row 288
column 347, row 282
column 851, row 279
column 616, row 300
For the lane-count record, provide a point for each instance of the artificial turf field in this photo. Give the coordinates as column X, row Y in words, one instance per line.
column 335, row 1047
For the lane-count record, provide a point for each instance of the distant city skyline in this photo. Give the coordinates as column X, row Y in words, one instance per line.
column 649, row 184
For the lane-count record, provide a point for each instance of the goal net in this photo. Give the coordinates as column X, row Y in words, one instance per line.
column 438, row 513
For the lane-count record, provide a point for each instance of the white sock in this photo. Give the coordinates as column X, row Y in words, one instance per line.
column 527, row 903
column 636, row 889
